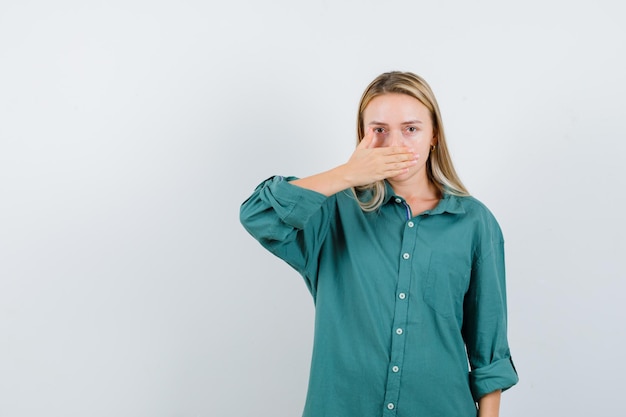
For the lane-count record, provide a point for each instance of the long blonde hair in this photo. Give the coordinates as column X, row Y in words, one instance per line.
column 439, row 168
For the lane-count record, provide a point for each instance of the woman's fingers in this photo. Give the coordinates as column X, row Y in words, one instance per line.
column 370, row 163
column 400, row 165
column 389, row 164
column 368, row 141
column 398, row 150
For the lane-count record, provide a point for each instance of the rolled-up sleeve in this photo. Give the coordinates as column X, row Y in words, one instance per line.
column 485, row 325
column 287, row 220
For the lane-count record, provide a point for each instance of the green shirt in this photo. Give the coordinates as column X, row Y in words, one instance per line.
column 410, row 311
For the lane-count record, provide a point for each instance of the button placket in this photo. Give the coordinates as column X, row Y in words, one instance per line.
column 400, row 322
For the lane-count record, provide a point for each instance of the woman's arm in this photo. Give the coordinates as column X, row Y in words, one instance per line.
column 485, row 315
column 367, row 165
column 489, row 405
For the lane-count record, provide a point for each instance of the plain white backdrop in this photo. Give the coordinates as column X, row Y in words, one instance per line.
column 131, row 131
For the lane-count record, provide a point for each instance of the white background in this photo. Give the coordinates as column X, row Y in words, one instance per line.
column 131, row 131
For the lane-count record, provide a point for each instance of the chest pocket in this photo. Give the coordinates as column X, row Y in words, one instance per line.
column 446, row 284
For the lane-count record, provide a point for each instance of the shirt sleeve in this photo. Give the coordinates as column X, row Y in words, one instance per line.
column 289, row 221
column 485, row 323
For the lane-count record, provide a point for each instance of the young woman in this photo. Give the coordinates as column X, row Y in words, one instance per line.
column 405, row 268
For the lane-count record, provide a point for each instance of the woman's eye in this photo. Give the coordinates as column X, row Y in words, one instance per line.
column 379, row 130
column 411, row 129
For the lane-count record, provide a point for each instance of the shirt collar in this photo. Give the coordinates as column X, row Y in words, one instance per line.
column 448, row 204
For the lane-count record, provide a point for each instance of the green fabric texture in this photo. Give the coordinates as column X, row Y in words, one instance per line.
column 410, row 310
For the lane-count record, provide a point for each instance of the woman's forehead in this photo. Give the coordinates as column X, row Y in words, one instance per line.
column 395, row 108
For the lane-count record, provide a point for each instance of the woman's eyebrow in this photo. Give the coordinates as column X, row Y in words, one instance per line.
column 409, row 122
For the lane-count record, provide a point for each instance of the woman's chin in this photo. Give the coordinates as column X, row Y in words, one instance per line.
column 401, row 177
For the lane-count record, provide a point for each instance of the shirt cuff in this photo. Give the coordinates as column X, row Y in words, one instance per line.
column 297, row 204
column 499, row 375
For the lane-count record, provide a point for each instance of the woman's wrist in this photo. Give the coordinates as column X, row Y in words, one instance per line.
column 489, row 404
column 328, row 183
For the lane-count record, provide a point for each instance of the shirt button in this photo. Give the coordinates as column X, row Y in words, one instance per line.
column 391, row 406
column 398, row 201
column 411, row 224
column 395, row 369
column 402, row 296
column 406, row 255
column 399, row 331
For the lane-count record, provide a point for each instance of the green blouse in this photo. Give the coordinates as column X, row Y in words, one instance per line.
column 410, row 310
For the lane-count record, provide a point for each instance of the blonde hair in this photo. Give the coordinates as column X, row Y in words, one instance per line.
column 439, row 168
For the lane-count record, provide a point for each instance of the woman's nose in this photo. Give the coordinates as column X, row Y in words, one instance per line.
column 395, row 138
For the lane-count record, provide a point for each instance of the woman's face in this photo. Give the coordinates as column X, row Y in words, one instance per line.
column 400, row 120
